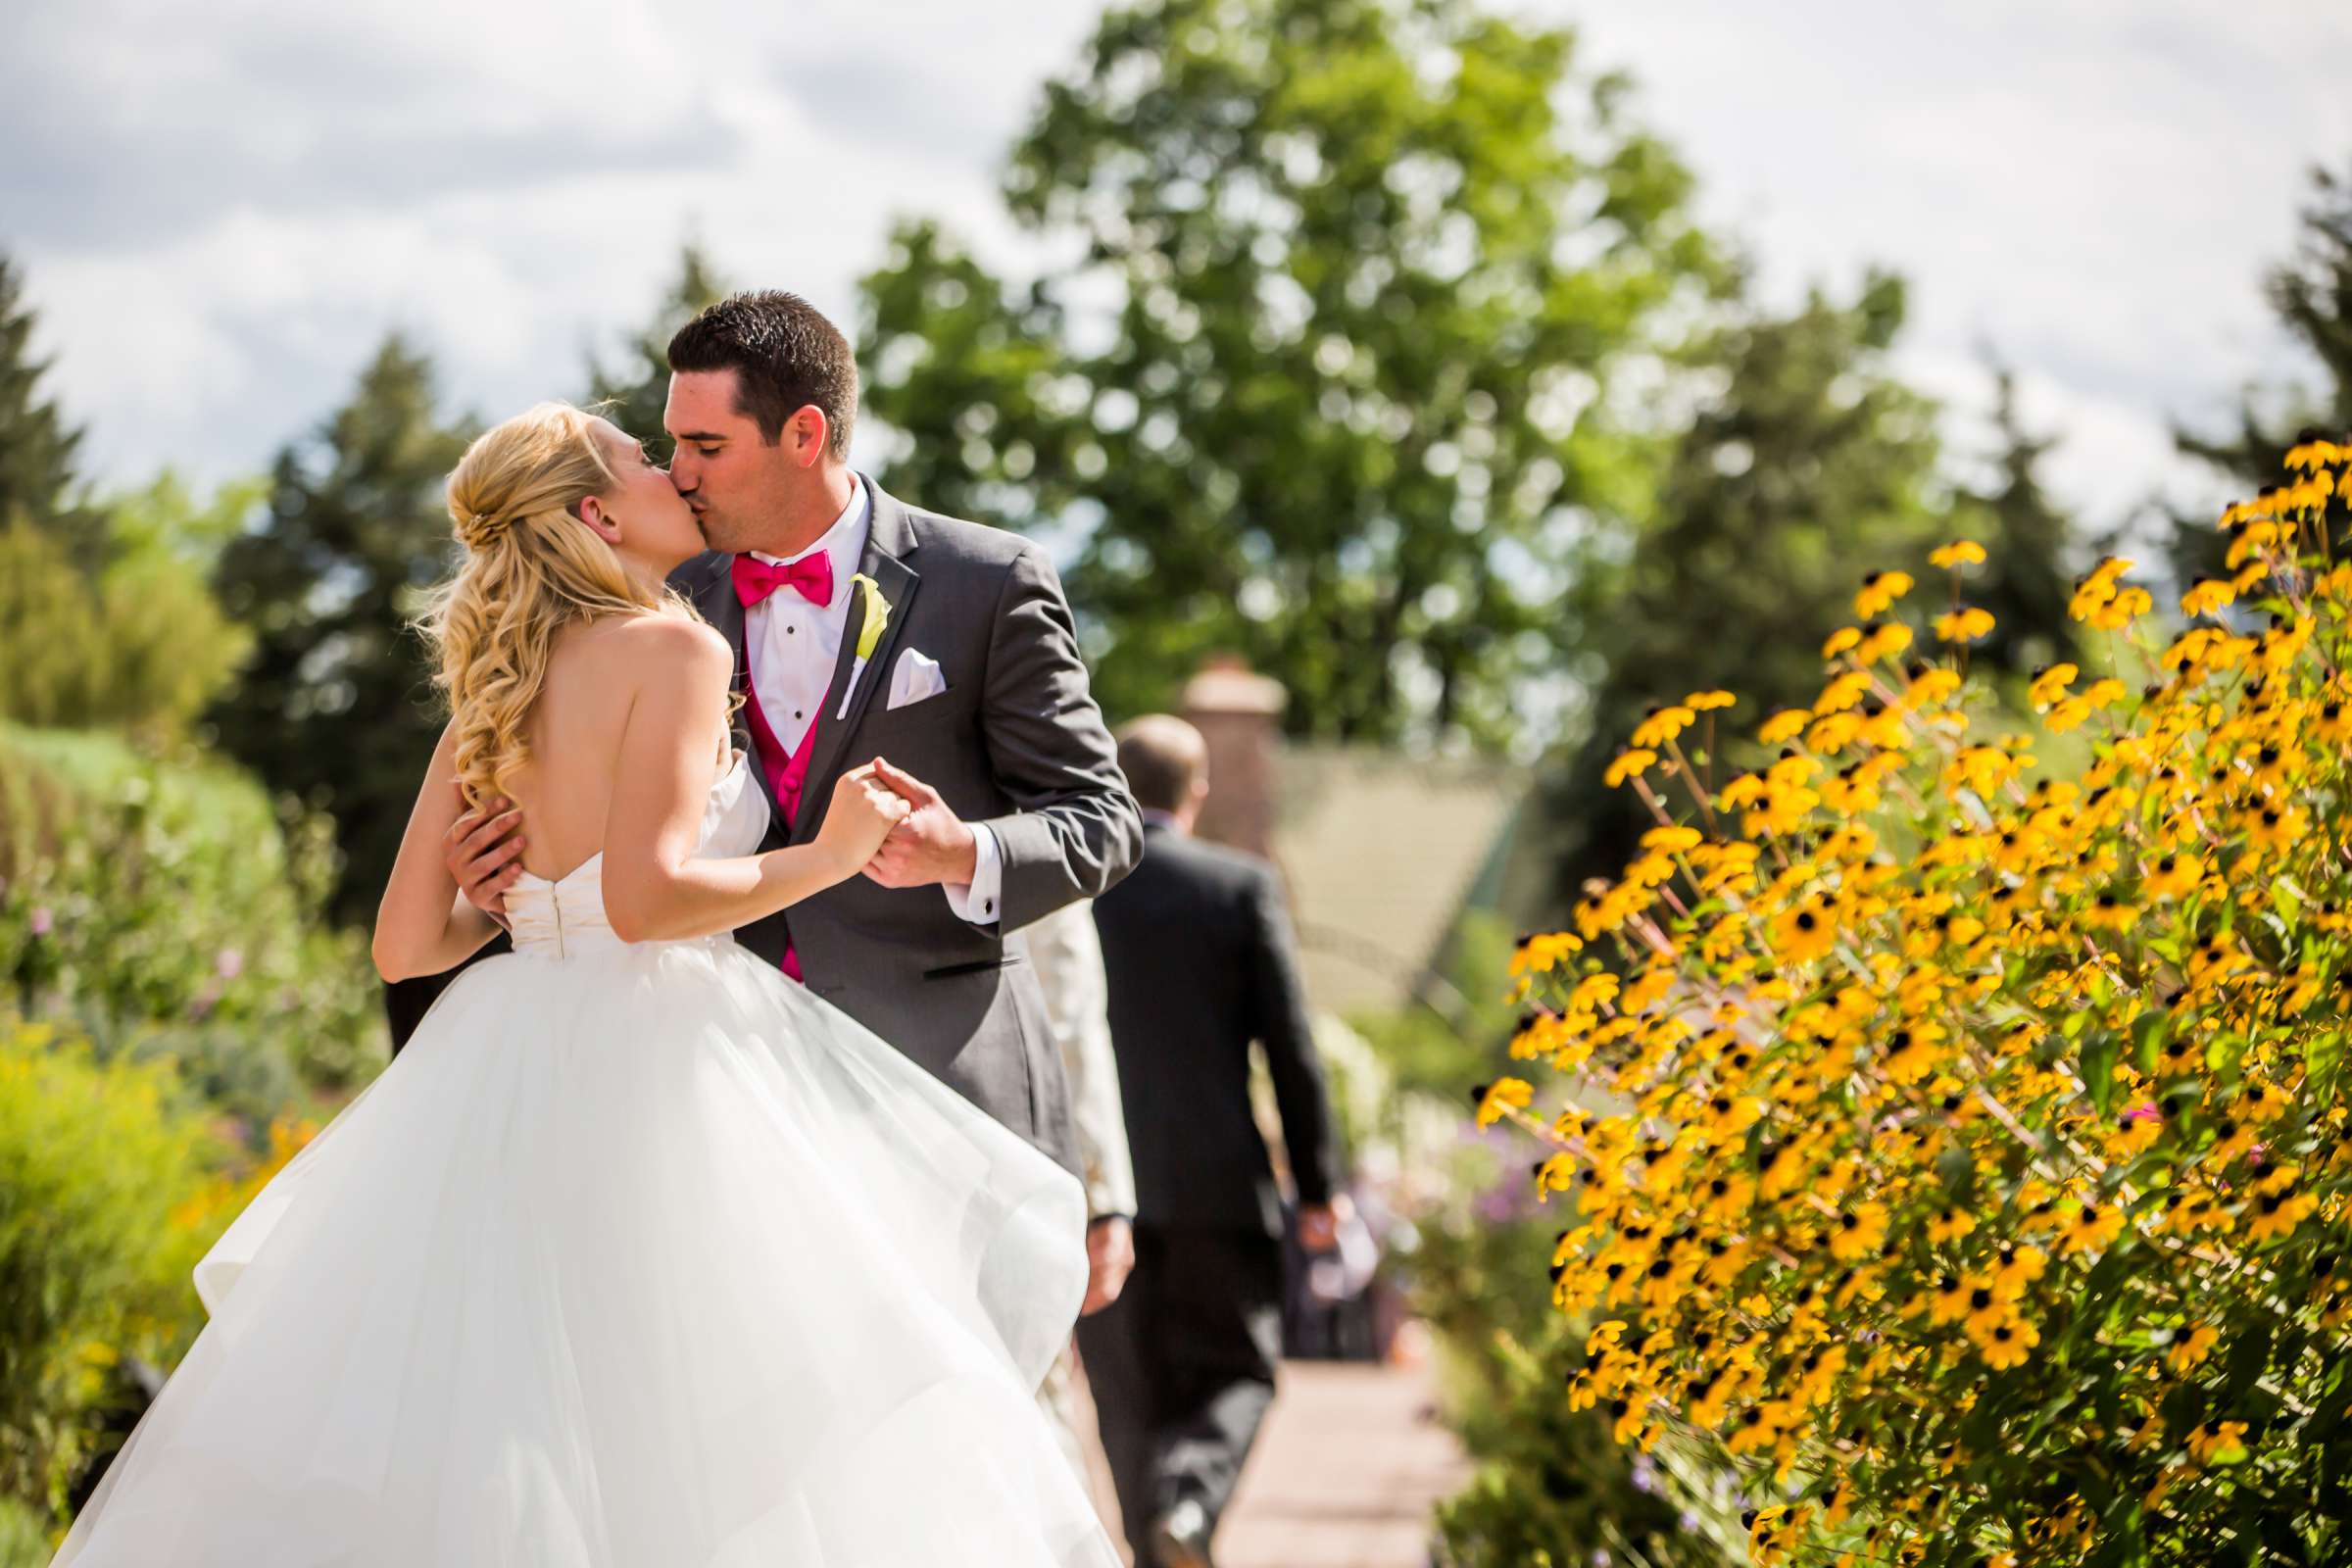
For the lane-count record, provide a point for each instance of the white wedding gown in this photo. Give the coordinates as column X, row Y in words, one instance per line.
column 638, row 1256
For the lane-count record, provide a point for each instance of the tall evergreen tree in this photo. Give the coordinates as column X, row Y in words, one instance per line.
column 1813, row 467
column 2027, row 583
column 2310, row 294
column 38, row 482
column 337, row 705
column 636, row 388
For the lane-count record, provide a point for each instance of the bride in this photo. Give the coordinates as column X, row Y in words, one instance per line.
column 640, row 1255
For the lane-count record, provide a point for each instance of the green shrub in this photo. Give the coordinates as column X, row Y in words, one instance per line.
column 107, row 1184
column 163, row 905
column 141, row 644
column 25, row 1540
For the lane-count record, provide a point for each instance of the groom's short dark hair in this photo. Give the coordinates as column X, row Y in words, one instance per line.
column 785, row 355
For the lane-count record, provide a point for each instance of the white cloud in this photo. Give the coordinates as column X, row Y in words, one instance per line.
column 222, row 208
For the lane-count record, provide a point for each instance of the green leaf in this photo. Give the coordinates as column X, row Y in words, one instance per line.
column 2098, row 1068
column 2148, row 1033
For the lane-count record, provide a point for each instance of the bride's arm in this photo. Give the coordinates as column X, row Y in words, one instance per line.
column 422, row 926
column 656, row 889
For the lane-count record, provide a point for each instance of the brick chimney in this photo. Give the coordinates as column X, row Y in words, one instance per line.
column 1238, row 712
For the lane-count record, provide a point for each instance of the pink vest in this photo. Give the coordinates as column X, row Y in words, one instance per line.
column 787, row 777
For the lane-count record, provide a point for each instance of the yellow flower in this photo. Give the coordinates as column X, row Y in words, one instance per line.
column 1959, row 552
column 2091, row 1227
column 1502, row 1096
column 2211, row 1444
column 1662, row 726
column 1886, row 640
column 1784, row 726
column 1806, row 933
column 1962, row 625
column 2208, row 597
column 2187, row 1353
column 1949, row 1302
column 1708, row 701
column 2050, row 683
column 1630, row 764
column 877, row 615
column 1858, row 1232
column 2007, row 1342
column 2277, row 1208
column 1880, row 590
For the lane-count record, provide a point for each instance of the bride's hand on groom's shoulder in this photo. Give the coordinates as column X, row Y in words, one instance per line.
column 863, row 813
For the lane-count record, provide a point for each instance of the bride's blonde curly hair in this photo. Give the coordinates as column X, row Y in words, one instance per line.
column 532, row 568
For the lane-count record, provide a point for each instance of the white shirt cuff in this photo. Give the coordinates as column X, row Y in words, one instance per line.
column 977, row 901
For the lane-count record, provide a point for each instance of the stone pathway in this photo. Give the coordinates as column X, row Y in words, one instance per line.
column 1346, row 1473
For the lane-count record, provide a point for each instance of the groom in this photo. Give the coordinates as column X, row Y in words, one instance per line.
column 867, row 629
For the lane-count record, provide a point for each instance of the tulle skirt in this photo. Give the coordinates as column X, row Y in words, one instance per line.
column 646, row 1258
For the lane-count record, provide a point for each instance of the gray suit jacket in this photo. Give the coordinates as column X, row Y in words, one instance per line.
column 1015, row 742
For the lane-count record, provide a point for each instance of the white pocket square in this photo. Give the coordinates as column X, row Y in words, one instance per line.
column 915, row 677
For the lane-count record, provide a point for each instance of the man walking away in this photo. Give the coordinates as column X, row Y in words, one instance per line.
column 1197, row 949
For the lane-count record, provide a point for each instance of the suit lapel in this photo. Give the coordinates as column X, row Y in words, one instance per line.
column 890, row 538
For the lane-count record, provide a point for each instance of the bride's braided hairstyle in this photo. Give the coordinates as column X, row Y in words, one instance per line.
column 532, row 569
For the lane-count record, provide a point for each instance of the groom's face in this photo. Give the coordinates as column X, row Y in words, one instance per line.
column 737, row 482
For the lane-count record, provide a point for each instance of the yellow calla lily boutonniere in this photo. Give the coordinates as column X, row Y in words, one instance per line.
column 876, row 622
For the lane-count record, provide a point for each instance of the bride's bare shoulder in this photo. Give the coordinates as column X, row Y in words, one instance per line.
column 669, row 651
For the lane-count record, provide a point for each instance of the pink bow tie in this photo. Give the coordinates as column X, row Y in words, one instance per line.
column 812, row 575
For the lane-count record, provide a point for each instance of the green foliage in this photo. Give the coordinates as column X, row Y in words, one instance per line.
column 1465, row 1028
column 96, row 1161
column 1550, row 1484
column 337, row 706
column 136, row 641
column 2311, row 295
column 24, row 1539
column 1327, row 366
column 165, row 905
column 635, row 392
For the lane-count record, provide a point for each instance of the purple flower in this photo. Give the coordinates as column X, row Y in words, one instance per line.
column 42, row 920
column 230, row 964
column 1645, row 1474
column 1686, row 1521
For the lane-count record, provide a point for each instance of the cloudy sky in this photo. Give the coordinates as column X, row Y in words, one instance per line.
column 222, row 208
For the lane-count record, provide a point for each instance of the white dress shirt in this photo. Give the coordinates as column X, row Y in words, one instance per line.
column 791, row 645
column 1067, row 955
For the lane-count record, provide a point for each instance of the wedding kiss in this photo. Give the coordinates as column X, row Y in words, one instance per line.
column 729, row 1219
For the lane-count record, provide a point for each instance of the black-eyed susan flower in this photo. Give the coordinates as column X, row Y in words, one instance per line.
column 1498, row 1100
column 1630, row 764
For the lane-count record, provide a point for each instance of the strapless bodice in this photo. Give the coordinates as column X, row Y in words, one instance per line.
column 565, row 917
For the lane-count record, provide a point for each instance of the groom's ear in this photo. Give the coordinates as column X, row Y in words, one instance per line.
column 804, row 434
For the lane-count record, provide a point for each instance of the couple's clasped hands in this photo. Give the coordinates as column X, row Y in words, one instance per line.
column 883, row 821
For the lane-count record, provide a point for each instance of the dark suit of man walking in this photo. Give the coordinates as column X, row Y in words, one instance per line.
column 1196, row 947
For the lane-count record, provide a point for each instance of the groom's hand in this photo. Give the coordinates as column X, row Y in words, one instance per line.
column 1110, row 1260
column 933, row 845
column 480, row 850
